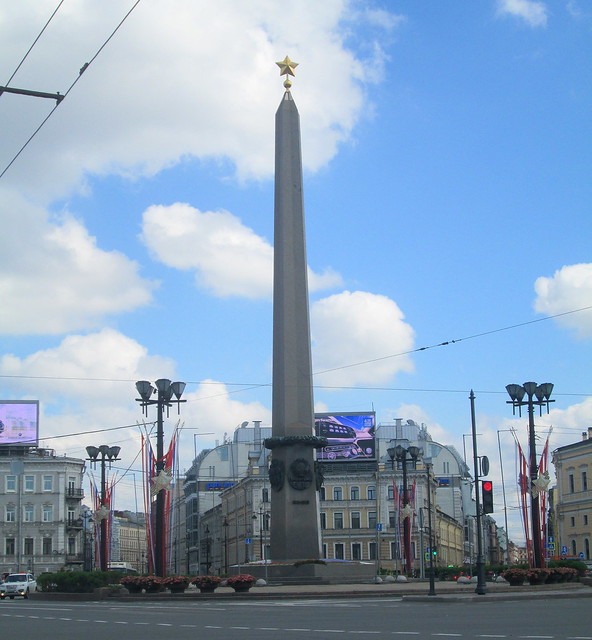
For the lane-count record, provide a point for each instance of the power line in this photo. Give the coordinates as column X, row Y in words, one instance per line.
column 247, row 386
column 82, row 70
column 34, row 42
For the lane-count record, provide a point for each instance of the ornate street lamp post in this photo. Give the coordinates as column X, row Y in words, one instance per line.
column 109, row 454
column 536, row 395
column 164, row 391
column 401, row 453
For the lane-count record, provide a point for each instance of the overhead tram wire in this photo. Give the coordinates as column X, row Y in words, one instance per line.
column 82, row 70
column 249, row 386
column 34, row 43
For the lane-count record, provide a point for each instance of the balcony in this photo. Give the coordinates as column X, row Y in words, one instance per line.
column 74, row 494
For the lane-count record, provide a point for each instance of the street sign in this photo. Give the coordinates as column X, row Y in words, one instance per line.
column 379, row 526
column 248, row 540
column 551, row 539
column 563, row 550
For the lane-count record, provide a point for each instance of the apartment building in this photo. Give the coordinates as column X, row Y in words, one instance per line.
column 41, row 524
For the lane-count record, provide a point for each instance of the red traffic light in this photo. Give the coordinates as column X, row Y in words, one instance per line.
column 487, row 485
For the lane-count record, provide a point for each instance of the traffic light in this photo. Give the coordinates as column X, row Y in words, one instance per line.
column 434, row 552
column 487, row 496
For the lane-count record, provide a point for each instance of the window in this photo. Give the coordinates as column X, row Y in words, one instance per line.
column 71, row 483
column 355, row 520
column 573, row 521
column 47, row 483
column 339, row 551
column 265, row 495
column 322, row 494
column 354, row 493
column 28, row 546
column 323, row 520
column 71, row 516
column 393, row 550
column 324, row 549
column 337, row 493
column 29, row 484
column 356, row 550
column 10, row 513
column 571, row 483
column 372, row 520
column 446, row 468
column 29, row 513
column 390, row 492
column 587, row 549
column 371, row 492
column 47, row 546
column 10, row 547
column 573, row 548
column 372, row 551
column 391, row 518
column 47, row 513
column 71, row 546
column 584, row 481
column 10, row 484
column 338, row 520
column 585, row 518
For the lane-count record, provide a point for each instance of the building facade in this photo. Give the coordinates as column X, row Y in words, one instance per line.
column 227, row 505
column 41, row 526
column 571, row 515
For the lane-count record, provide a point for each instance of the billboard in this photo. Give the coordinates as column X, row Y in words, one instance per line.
column 19, row 422
column 350, row 436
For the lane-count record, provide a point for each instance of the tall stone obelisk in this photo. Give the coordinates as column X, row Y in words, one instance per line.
column 293, row 478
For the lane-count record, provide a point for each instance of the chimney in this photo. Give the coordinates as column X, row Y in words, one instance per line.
column 589, row 432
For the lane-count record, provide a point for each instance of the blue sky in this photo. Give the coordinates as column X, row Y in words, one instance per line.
column 446, row 149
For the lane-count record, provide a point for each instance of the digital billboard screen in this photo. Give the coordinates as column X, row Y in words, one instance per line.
column 19, row 422
column 349, row 436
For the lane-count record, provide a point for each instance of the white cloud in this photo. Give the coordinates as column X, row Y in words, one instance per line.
column 228, row 258
column 196, row 79
column 533, row 12
column 53, row 277
column 569, row 289
column 354, row 327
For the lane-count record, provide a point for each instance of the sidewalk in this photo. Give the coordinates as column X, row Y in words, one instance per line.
column 414, row 590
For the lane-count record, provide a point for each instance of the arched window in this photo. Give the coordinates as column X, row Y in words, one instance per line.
column 371, row 492
column 354, row 493
column 337, row 493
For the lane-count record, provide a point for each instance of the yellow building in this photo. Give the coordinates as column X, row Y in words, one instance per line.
column 572, row 515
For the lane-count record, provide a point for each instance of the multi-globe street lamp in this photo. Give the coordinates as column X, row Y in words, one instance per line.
column 164, row 391
column 107, row 454
column 537, row 394
column 402, row 455
column 428, row 466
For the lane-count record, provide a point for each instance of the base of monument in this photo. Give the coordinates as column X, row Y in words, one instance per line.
column 324, row 572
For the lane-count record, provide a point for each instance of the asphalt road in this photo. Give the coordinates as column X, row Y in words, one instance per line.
column 315, row 619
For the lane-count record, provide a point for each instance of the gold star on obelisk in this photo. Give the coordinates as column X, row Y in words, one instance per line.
column 287, row 69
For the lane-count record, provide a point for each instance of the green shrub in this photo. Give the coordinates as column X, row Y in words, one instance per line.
column 75, row 581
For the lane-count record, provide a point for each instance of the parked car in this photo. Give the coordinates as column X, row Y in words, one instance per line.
column 18, row 584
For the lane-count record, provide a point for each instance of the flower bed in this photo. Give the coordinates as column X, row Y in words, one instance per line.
column 241, row 582
column 177, row 584
column 206, row 584
column 135, row 584
column 515, row 577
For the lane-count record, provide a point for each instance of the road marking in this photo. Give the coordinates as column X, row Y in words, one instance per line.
column 448, row 635
column 328, row 630
column 485, row 635
column 406, row 633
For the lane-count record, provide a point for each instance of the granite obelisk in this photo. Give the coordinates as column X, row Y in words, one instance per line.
column 293, row 477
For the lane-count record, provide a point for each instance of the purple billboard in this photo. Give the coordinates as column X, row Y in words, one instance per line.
column 19, row 422
column 349, row 436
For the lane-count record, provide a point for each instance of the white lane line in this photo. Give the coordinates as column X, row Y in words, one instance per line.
column 328, row 630
column 406, row 633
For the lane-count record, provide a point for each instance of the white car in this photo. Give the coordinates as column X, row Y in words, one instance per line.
column 18, row 584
